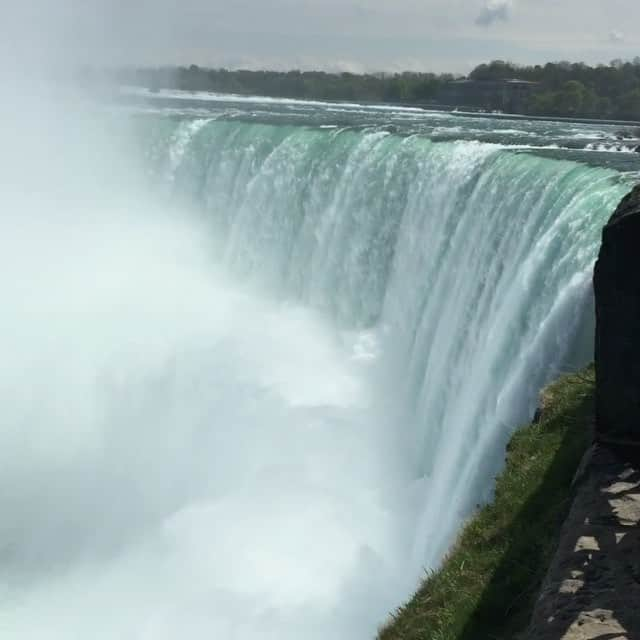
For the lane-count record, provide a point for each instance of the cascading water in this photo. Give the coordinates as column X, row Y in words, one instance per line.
column 473, row 262
column 265, row 400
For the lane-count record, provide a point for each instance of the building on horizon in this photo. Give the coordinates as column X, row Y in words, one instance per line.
column 509, row 95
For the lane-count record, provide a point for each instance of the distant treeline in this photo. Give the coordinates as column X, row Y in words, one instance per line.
column 310, row 85
column 561, row 89
column 565, row 89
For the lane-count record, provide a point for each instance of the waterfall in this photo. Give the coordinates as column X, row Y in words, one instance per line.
column 266, row 402
column 474, row 262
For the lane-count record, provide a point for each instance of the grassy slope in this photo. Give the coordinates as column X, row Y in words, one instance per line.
column 487, row 586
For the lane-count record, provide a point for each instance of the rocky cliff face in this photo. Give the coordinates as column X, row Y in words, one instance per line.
column 617, row 289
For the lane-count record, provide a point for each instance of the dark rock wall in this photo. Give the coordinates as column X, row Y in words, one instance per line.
column 617, row 352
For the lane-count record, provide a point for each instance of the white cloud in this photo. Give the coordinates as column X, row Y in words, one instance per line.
column 494, row 11
column 616, row 36
column 434, row 35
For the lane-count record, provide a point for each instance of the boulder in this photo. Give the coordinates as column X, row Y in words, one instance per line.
column 617, row 349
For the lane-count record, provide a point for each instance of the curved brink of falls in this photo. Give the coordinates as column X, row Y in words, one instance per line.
column 473, row 263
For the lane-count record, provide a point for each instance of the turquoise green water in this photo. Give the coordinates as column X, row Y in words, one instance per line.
column 472, row 261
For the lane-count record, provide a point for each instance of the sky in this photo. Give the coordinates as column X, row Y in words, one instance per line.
column 335, row 35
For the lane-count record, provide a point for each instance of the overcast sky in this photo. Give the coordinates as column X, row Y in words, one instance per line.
column 357, row 35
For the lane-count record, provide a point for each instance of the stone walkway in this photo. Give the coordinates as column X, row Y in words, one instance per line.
column 593, row 587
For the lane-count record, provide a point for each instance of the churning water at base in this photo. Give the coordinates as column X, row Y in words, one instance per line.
column 259, row 410
column 181, row 457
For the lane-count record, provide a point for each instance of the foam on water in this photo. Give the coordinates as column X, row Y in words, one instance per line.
column 231, row 97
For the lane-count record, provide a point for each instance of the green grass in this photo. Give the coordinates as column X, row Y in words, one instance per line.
column 487, row 586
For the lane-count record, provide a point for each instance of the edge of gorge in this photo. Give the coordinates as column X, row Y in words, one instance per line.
column 487, row 585
column 593, row 586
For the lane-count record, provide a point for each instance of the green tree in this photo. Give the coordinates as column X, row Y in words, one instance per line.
column 630, row 104
column 571, row 98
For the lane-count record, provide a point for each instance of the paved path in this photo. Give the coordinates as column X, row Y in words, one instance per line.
column 593, row 587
